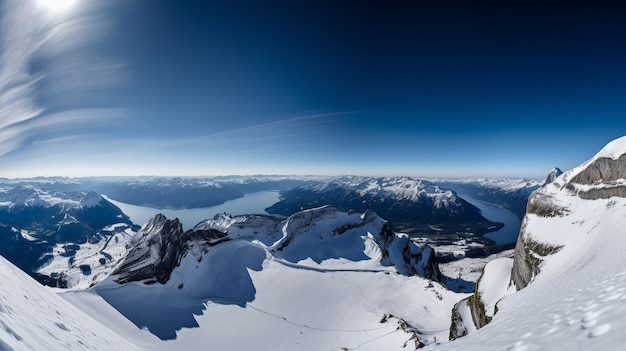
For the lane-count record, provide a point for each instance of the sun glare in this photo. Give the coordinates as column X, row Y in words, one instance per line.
column 57, row 6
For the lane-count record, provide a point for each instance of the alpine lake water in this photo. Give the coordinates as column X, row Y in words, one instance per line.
column 251, row 203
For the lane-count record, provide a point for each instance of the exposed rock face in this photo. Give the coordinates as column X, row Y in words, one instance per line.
column 529, row 255
column 555, row 173
column 317, row 234
column 477, row 310
column 416, row 259
column 158, row 248
column 603, row 170
column 555, row 217
column 339, row 234
column 599, row 178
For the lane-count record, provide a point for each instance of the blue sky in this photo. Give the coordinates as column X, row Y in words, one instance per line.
column 198, row 87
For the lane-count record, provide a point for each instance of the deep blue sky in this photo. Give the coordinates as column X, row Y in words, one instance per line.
column 420, row 88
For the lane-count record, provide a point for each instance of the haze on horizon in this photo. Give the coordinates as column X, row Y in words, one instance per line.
column 446, row 88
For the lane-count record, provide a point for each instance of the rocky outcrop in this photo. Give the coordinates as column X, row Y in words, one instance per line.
column 603, row 170
column 546, row 230
column 554, row 173
column 158, row 248
column 529, row 255
column 477, row 310
column 416, row 259
column 603, row 178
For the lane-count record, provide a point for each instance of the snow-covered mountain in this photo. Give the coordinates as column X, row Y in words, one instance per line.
column 320, row 279
column 33, row 318
column 554, row 173
column 569, row 269
column 412, row 205
column 510, row 193
column 320, row 235
column 62, row 238
column 170, row 192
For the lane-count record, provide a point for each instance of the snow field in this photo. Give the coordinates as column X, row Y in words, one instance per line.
column 33, row 318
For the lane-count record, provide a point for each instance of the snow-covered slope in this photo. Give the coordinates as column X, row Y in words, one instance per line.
column 63, row 238
column 569, row 264
column 33, row 318
column 328, row 280
column 510, row 193
column 412, row 205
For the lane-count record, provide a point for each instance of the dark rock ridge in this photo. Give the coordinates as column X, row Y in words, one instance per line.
column 607, row 172
column 319, row 234
column 158, row 248
column 555, row 173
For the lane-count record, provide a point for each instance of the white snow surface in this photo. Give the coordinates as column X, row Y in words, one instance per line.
column 34, row 318
column 398, row 188
column 316, row 288
column 101, row 257
column 495, row 283
column 266, row 304
column 614, row 149
column 578, row 300
column 33, row 195
column 501, row 184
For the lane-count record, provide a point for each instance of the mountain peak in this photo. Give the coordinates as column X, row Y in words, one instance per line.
column 91, row 199
column 554, row 173
column 614, row 149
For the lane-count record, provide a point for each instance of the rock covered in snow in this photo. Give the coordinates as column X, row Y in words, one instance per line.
column 601, row 177
column 554, row 173
column 158, row 248
column 320, row 234
column 570, row 264
column 53, row 226
column 414, row 204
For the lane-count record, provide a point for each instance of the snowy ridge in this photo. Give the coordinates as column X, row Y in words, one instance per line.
column 613, row 150
column 502, row 184
column 397, row 188
column 68, row 238
column 250, row 227
column 570, row 265
column 33, row 196
column 349, row 274
column 33, row 318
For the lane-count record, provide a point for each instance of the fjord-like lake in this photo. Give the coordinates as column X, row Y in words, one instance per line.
column 251, row 203
column 512, row 224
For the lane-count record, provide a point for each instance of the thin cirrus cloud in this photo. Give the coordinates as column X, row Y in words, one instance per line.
column 45, row 77
column 246, row 150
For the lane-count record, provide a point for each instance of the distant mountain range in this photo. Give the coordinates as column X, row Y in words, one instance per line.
column 40, row 226
column 509, row 193
column 320, row 277
column 414, row 206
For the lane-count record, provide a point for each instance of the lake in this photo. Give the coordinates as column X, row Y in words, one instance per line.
column 251, row 203
column 512, row 224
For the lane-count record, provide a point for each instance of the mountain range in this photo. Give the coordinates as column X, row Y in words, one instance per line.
column 320, row 277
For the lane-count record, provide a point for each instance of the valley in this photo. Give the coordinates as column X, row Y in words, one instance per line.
column 322, row 277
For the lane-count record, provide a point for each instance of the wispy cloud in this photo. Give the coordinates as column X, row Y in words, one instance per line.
column 44, row 74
